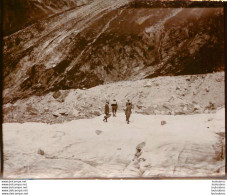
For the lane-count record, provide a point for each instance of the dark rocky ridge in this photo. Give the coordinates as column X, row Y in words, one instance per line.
column 19, row 14
column 111, row 43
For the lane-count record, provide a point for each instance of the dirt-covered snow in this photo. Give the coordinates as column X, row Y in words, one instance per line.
column 185, row 145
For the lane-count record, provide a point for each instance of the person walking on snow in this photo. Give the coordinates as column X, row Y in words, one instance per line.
column 128, row 110
column 114, row 107
column 107, row 110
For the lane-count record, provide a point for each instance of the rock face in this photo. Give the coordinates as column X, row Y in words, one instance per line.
column 113, row 41
column 19, row 14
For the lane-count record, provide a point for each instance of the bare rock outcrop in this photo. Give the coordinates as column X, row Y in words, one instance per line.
column 69, row 50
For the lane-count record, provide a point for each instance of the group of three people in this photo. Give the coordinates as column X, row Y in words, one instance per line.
column 127, row 109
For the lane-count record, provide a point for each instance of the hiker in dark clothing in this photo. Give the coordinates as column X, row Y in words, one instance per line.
column 107, row 110
column 114, row 107
column 128, row 110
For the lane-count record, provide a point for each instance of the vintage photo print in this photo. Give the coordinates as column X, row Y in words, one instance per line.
column 113, row 89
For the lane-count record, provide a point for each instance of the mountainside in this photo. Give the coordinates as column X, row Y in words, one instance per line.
column 19, row 14
column 64, row 59
column 168, row 95
column 113, row 41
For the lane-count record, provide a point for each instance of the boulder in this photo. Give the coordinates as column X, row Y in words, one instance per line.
column 97, row 113
column 207, row 89
column 163, row 122
column 32, row 111
column 56, row 94
column 139, row 107
column 63, row 112
column 142, row 159
column 149, row 110
column 166, row 106
column 98, row 132
column 140, row 146
column 40, row 152
column 211, row 106
column 61, row 99
column 197, row 107
column 185, row 109
column 147, row 85
column 180, row 112
column 56, row 114
column 218, row 79
column 172, row 98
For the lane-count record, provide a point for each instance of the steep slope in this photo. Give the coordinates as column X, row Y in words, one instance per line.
column 111, row 43
column 18, row 14
column 169, row 95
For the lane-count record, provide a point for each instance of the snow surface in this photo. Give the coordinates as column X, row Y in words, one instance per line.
column 187, row 145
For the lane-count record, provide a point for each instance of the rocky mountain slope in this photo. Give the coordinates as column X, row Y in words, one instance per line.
column 77, row 54
column 168, row 95
column 113, row 41
column 19, row 14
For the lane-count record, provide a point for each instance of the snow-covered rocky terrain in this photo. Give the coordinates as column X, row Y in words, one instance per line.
column 172, row 95
column 170, row 134
column 187, row 145
column 63, row 59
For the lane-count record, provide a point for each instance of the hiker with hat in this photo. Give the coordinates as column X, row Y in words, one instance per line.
column 114, row 107
column 107, row 111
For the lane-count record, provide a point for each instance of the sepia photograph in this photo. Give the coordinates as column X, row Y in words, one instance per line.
column 113, row 89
